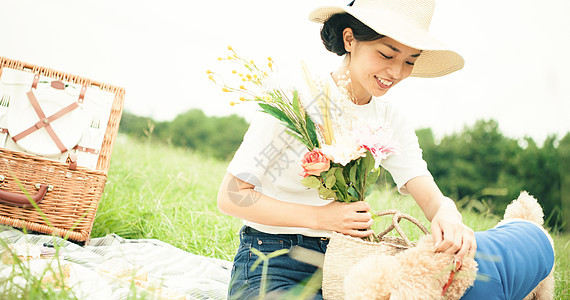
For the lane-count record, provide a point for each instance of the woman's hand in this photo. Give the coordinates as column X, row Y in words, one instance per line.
column 341, row 217
column 450, row 234
column 448, row 231
column 346, row 218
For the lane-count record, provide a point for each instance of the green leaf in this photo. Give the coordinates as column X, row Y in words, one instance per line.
column 352, row 191
column 296, row 103
column 277, row 113
column 326, row 193
column 330, row 181
column 299, row 138
column 340, row 177
column 352, row 174
column 292, row 128
column 333, row 195
column 311, row 130
column 368, row 161
column 332, row 170
column 311, row 182
column 372, row 178
column 368, row 192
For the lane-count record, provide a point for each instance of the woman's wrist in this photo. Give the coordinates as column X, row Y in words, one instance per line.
column 447, row 205
column 314, row 219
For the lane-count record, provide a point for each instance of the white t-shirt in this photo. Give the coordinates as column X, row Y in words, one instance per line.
column 270, row 159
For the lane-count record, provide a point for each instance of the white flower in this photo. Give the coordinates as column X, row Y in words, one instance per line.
column 376, row 138
column 344, row 149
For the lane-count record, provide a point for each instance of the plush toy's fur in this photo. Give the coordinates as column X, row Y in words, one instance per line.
column 420, row 273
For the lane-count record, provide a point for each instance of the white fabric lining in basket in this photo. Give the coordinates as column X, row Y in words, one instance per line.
column 83, row 127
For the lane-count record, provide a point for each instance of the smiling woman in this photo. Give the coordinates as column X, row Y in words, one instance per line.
column 384, row 42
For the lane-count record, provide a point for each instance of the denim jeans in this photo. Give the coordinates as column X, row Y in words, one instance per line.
column 284, row 274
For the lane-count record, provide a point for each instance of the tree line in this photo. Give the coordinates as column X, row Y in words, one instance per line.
column 479, row 163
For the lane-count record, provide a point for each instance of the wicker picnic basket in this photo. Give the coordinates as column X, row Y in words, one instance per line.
column 67, row 195
column 344, row 251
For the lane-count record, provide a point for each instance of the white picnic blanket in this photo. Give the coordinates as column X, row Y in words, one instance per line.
column 106, row 267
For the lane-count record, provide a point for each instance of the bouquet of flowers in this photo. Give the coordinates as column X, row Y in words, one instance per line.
column 343, row 154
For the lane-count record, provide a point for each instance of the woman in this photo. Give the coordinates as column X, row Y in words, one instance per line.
column 384, row 42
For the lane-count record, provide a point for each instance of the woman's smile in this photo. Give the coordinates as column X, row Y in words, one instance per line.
column 384, row 83
column 376, row 66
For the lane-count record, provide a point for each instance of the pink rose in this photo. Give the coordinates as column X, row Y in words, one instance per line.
column 315, row 162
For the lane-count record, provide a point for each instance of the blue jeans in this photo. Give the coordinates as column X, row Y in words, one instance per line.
column 286, row 277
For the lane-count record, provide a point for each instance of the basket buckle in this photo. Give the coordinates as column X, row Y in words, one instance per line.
column 38, row 185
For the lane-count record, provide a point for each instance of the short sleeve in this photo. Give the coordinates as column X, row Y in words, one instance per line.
column 408, row 162
column 262, row 142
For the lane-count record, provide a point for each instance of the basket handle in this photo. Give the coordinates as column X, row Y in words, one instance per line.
column 395, row 224
column 20, row 200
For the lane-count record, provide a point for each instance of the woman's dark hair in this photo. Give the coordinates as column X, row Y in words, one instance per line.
column 331, row 33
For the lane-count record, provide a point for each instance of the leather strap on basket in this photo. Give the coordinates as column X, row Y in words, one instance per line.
column 46, row 121
column 395, row 224
column 20, row 200
column 72, row 161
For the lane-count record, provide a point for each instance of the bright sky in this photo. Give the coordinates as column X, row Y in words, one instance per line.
column 515, row 53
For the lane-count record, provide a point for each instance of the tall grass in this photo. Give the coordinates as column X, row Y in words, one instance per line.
column 166, row 193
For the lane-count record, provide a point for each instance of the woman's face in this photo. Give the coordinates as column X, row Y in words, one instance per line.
column 376, row 66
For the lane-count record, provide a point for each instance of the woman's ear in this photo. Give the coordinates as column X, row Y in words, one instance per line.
column 348, row 39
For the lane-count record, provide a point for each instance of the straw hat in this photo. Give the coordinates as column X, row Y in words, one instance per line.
column 406, row 21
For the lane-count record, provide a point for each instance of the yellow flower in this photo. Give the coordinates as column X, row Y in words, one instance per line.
column 225, row 90
column 232, row 103
column 240, row 75
column 269, row 58
column 219, row 58
column 211, row 78
column 242, row 87
column 230, row 48
column 230, row 57
column 234, row 71
column 248, row 76
column 243, row 79
column 209, row 72
column 265, row 74
column 270, row 64
column 241, row 99
column 251, row 62
column 254, row 75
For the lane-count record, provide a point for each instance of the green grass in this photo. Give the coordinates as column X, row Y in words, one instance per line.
column 157, row 191
column 166, row 193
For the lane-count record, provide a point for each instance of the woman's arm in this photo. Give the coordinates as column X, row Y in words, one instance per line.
column 449, row 233
column 336, row 216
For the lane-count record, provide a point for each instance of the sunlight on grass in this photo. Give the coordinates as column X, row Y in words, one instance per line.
column 166, row 193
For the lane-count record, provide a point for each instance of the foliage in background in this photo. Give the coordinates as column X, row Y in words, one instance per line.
column 480, row 158
column 217, row 137
column 478, row 162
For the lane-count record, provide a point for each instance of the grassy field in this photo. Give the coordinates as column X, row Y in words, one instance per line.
column 161, row 192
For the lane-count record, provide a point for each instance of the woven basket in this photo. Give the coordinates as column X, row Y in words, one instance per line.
column 69, row 206
column 344, row 251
